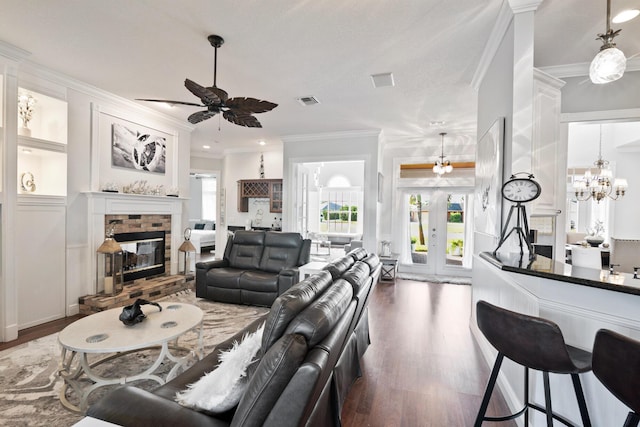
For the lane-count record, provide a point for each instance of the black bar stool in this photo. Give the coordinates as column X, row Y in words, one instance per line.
column 616, row 363
column 534, row 343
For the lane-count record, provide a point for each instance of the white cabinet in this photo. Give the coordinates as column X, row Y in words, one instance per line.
column 549, row 151
column 40, row 261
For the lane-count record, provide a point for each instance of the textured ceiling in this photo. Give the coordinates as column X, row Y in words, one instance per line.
column 279, row 50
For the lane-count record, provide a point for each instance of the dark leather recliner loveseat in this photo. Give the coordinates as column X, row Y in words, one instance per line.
column 257, row 266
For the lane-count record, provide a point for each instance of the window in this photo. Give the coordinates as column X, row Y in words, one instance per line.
column 209, row 199
column 340, row 211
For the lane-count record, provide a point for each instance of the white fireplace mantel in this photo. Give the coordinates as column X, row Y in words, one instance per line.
column 100, row 204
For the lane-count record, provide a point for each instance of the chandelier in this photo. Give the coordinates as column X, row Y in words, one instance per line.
column 442, row 166
column 609, row 64
column 599, row 186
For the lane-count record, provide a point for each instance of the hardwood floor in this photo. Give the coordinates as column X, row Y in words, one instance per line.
column 423, row 367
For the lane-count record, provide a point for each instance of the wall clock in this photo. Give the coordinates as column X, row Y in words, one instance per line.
column 519, row 190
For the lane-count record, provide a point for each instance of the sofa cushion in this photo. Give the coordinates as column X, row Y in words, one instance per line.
column 271, row 377
column 247, row 249
column 317, row 320
column 228, row 278
column 281, row 250
column 290, row 303
column 372, row 261
column 358, row 254
column 339, row 266
column 357, row 276
column 260, row 281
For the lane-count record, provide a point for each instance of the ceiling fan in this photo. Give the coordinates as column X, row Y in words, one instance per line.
column 238, row 111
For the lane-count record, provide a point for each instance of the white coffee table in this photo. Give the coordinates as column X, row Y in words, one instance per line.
column 104, row 334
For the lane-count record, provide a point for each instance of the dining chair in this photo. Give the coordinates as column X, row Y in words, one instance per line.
column 586, row 257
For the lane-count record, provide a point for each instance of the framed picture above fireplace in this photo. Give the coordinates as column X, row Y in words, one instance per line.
column 136, row 147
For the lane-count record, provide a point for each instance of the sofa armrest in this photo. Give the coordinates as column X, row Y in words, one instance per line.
column 208, row 265
column 201, row 274
column 131, row 406
column 287, row 278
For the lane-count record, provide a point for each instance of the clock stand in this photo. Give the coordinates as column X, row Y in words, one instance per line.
column 521, row 229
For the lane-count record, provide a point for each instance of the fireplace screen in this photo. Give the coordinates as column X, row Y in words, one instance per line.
column 143, row 254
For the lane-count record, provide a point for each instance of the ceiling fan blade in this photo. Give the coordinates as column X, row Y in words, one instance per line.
column 200, row 116
column 250, row 105
column 206, row 96
column 166, row 101
column 241, row 119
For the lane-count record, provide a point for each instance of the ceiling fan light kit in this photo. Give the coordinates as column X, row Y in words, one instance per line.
column 609, row 64
column 238, row 111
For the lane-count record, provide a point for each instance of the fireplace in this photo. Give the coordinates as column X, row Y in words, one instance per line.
column 143, row 254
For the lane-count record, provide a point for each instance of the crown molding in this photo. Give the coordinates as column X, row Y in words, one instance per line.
column 12, row 52
column 548, row 79
column 521, row 6
column 582, row 69
column 505, row 16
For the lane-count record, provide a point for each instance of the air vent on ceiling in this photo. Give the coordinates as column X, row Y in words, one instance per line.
column 308, row 100
column 382, row 80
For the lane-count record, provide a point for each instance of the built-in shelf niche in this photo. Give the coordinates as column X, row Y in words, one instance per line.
column 48, row 168
column 48, row 120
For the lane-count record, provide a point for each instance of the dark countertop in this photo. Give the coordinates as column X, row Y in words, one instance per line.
column 554, row 270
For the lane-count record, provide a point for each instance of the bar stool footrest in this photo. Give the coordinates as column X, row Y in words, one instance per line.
column 555, row 416
column 506, row 417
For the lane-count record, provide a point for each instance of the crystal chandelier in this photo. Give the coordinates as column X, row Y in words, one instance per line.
column 442, row 166
column 609, row 64
column 599, row 186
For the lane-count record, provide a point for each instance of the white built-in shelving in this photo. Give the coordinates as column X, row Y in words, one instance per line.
column 42, row 149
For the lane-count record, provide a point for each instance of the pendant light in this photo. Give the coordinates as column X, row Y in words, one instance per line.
column 442, row 166
column 609, row 64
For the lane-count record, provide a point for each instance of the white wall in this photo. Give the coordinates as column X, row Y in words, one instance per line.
column 580, row 95
column 195, row 198
column 495, row 99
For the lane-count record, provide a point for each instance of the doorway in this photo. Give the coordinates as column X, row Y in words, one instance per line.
column 436, row 226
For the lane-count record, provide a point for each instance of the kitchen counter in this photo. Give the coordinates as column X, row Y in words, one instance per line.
column 580, row 301
column 549, row 269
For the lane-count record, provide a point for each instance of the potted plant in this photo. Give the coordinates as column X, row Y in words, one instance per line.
column 456, row 247
column 414, row 240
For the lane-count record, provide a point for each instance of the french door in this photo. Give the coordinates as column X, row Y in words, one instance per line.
column 436, row 228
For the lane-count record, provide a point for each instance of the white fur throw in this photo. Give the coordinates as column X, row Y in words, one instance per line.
column 222, row 388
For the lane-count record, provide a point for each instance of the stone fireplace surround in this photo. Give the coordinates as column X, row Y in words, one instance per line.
column 137, row 213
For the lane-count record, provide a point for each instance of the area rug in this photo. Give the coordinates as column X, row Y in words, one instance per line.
column 30, row 385
column 435, row 279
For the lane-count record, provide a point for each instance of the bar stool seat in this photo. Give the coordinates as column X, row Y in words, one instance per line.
column 616, row 363
column 535, row 343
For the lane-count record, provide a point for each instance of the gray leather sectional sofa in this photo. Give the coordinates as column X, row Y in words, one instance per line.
column 257, row 266
column 314, row 337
